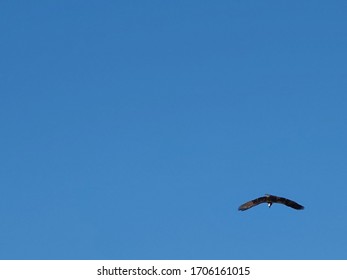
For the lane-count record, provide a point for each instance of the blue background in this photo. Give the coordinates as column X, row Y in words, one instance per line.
column 135, row 129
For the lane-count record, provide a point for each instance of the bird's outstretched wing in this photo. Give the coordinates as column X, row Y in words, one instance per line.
column 252, row 203
column 287, row 202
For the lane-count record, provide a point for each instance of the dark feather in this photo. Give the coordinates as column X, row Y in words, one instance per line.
column 252, row 203
column 287, row 202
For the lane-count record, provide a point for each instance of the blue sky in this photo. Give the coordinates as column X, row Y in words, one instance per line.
column 135, row 129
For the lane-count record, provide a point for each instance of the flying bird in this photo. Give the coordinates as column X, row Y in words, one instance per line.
column 270, row 199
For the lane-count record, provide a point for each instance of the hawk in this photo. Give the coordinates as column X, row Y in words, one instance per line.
column 270, row 199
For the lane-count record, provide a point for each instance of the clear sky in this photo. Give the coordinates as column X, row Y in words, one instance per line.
column 135, row 129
